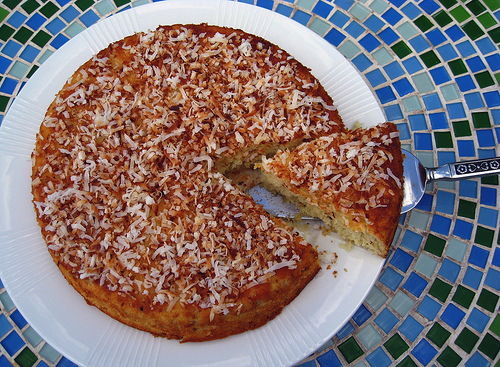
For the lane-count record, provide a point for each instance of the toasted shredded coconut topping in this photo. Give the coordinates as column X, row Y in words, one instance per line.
column 126, row 183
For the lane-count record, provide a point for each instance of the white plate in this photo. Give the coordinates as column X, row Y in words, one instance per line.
column 89, row 337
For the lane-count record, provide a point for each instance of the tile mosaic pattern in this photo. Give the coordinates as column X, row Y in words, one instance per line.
column 434, row 66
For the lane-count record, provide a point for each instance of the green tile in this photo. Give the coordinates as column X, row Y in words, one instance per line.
column 438, row 334
column 423, row 23
column 495, row 34
column 430, row 58
column 457, row 67
column 32, row 71
column 49, row 9
column 350, row 350
column 440, row 290
column 4, row 101
column 5, row 32
column 26, row 358
column 467, row 340
column 396, row 346
column 23, row 34
column 442, row 18
column 84, row 4
column 481, row 120
column 449, row 358
column 460, row 13
column 448, row 3
column 463, row 296
column 484, row 79
column 41, row 38
column 484, row 236
column 490, row 180
column 467, row 209
column 495, row 325
column 487, row 300
column 497, row 77
column 487, row 20
column 473, row 30
column 462, row 128
column 443, row 139
column 476, row 7
column 11, row 4
column 30, row 6
column 434, row 245
column 490, row 346
column 401, row 49
column 3, row 14
column 492, row 4
column 407, row 362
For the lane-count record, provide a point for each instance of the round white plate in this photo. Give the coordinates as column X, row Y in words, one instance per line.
column 90, row 338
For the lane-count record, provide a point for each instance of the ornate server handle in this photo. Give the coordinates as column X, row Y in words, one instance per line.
column 464, row 170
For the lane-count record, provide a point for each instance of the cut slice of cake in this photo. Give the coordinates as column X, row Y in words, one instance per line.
column 352, row 180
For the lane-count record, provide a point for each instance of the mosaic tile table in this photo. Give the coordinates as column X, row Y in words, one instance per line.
column 434, row 66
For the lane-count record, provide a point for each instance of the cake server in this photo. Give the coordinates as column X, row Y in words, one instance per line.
column 416, row 177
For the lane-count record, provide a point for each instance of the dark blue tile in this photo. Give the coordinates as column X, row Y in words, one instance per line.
column 18, row 319
column 361, row 315
column 440, row 75
column 403, row 87
column 63, row 2
column 375, row 77
column 425, row 203
column 266, row 4
column 386, row 320
column 488, row 196
column 455, row 33
column 329, row 359
column 477, row 360
column 4, row 362
column 472, row 278
column 378, row 358
column 392, row 16
column 5, row 325
column 4, row 64
column 322, row 9
column 385, row 94
column 466, row 148
column 369, row 42
column 429, row 308
column 388, row 36
column 8, row 86
column 429, row 6
column 394, row 70
column 415, row 284
column 412, row 65
column 433, row 102
column 463, row 229
column 478, row 256
column 397, row 3
column 441, row 224
column 401, row 260
column 424, row 352
column 475, row 64
column 346, row 330
column 468, row 189
column 391, row 279
column 65, row 362
column 493, row 279
column 12, row 343
column 447, row 52
column 478, row 320
column 35, row 21
column 411, row 11
column 410, row 328
column 436, row 37
column 445, row 202
column 419, row 43
column 492, row 98
column 493, row 62
column 373, row 23
column 412, row 241
column 438, row 121
column 452, row 315
column 423, row 141
column 59, row 40
column 474, row 100
column 284, row 10
column 485, row 138
column 310, row 363
column 334, row 37
column 465, row 83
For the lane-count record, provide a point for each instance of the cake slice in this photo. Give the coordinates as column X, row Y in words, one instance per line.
column 352, row 180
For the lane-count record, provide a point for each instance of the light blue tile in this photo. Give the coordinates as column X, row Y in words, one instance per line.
column 401, row 303
column 369, row 336
column 456, row 249
column 376, row 298
column 419, row 220
column 426, row 265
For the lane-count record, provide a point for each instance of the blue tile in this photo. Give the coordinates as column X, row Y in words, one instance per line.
column 423, row 141
column 425, row 203
column 388, row 36
column 394, row 70
column 488, row 217
column 404, row 133
column 334, row 37
column 355, row 29
column 478, row 256
column 397, row 3
column 386, row 320
column 411, row 11
column 403, row 87
column 369, row 42
column 485, row 138
column 473, row 277
column 456, row 110
column 440, row 75
column 11, row 48
column 441, row 224
column 466, row 148
column 493, row 62
column 477, row 360
column 4, row 64
column 4, row 362
column 310, row 363
column 344, row 4
column 29, row 53
column 17, row 19
column 5, row 325
column 378, row 358
column 412, row 65
column 266, row 4
column 475, row 64
column 493, row 279
column 492, row 98
column 455, row 33
column 90, row 17
column 496, row 258
column 392, row 16
column 465, row 83
column 361, row 62
column 452, row 315
column 474, row 100
column 495, row 114
column 424, row 352
column 429, row 6
column 429, row 308
column 64, row 362
column 301, row 17
column 412, row 241
column 410, row 328
column 415, row 284
column 35, row 21
column 401, row 260
column 463, row 229
column 69, row 14
column 393, row 112
column 445, row 202
column 436, row 37
column 322, row 9
column 466, row 49
column 486, row 46
column 8, row 86
column 478, row 320
column 449, row 270
column 284, row 10
column 419, row 43
column 18, row 319
column 12, row 343
column 447, row 52
column 59, row 40
column 375, row 77
column 373, row 23
column 55, row 26
column 63, row 2
column 446, row 157
column 329, row 359
column 433, row 102
column 439, row 121
column 385, row 94
column 339, row 19
column 390, row 278
column 346, row 330
column 488, row 196
column 468, row 189
column 361, row 315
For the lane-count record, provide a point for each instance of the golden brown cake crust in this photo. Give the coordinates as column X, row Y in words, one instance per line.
column 127, row 185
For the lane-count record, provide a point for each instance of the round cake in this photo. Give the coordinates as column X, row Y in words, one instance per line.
column 130, row 187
